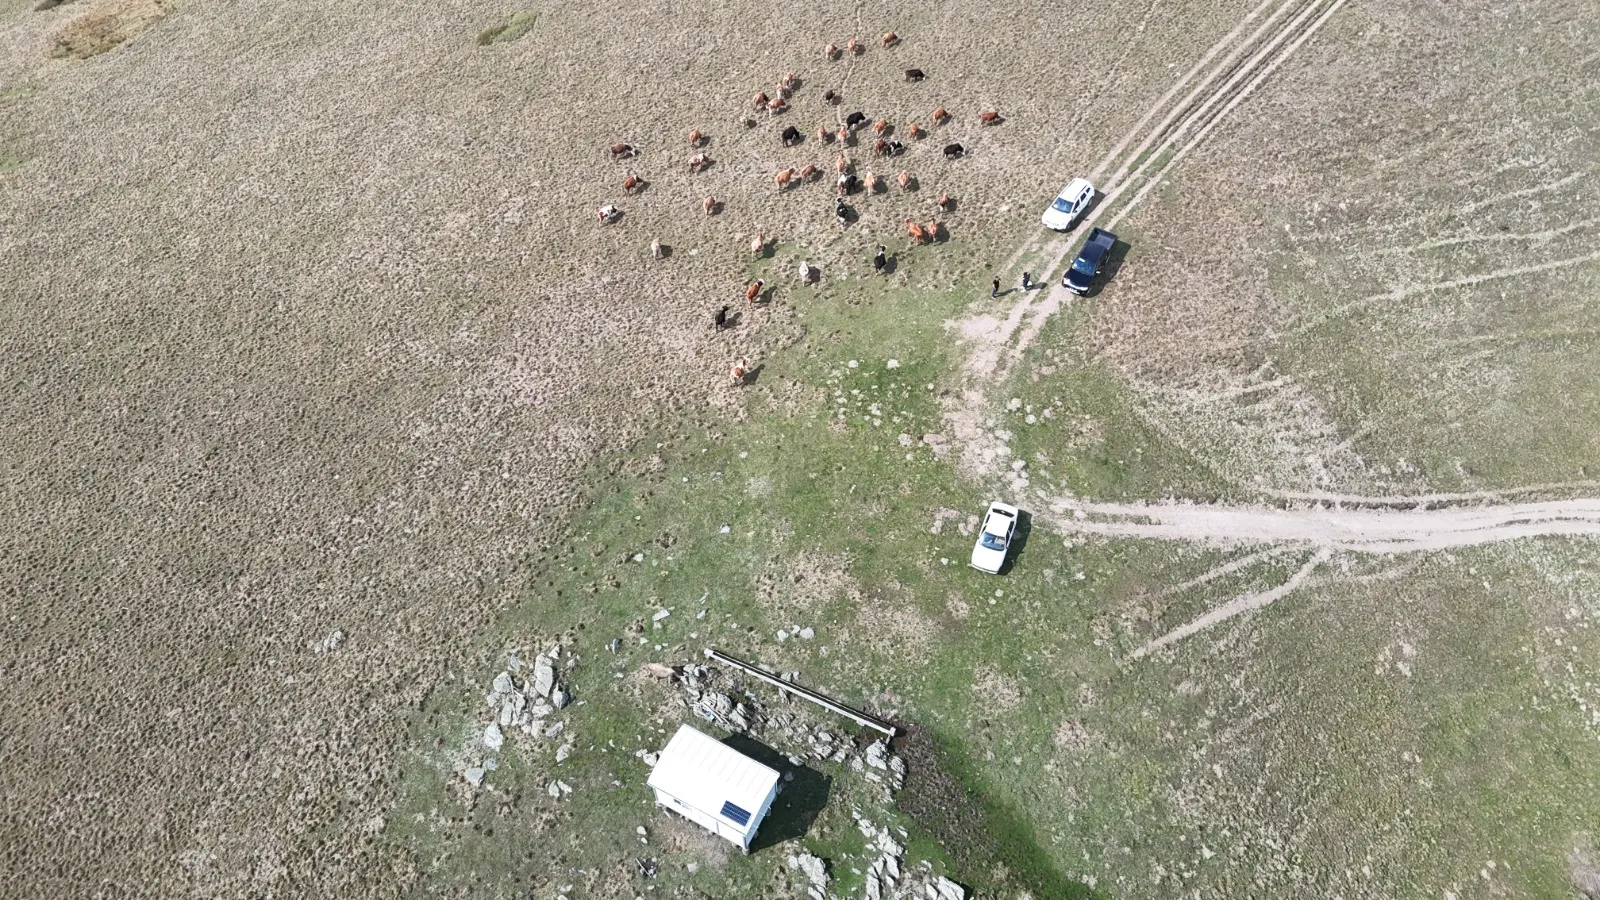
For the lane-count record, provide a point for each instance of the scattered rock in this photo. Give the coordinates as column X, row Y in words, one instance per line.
column 544, row 676
column 650, row 759
column 493, row 738
column 503, row 684
column 807, row 633
column 564, row 751
column 661, row 614
column 559, row 698
column 474, row 775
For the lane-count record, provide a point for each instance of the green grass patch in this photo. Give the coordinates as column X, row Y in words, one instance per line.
column 512, row 29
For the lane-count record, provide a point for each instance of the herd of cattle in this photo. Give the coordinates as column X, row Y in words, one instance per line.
column 844, row 135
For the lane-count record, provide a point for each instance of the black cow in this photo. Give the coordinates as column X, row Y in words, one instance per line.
column 791, row 136
column 914, row 75
column 954, row 151
column 854, row 120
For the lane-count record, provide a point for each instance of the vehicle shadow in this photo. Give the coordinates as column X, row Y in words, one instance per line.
column 1108, row 271
column 1019, row 541
column 800, row 799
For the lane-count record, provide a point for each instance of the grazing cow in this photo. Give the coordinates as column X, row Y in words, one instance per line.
column 989, row 117
column 759, row 101
column 905, row 180
column 854, row 46
column 608, row 214
column 777, row 105
column 940, row 115
column 831, row 51
column 916, row 131
column 758, row 244
column 790, row 81
column 890, row 39
column 848, row 184
column 741, row 367
column 915, row 232
column 843, row 136
column 880, row 127
column 624, row 151
column 632, row 184
column 879, row 260
column 880, row 147
column 784, row 92
column 807, row 272
column 655, row 249
column 841, row 212
column 791, row 136
column 896, row 148
column 945, row 202
column 709, row 205
column 699, row 161
column 933, row 228
column 854, row 119
column 823, row 134
column 954, row 151
column 914, row 75
column 752, row 291
column 872, row 182
column 832, row 98
column 695, row 137
column 785, row 177
column 720, row 320
column 843, row 165
column 809, row 172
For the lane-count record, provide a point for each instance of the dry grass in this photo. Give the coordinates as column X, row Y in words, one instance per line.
column 108, row 25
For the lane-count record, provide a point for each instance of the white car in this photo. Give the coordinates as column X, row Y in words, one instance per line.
column 1069, row 205
column 994, row 538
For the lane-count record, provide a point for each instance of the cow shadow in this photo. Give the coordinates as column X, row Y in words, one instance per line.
column 803, row 793
column 890, row 264
column 751, row 377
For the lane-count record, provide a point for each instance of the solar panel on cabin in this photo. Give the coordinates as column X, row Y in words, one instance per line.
column 735, row 814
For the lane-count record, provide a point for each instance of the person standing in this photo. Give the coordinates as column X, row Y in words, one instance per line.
column 879, row 261
column 1027, row 281
column 994, row 291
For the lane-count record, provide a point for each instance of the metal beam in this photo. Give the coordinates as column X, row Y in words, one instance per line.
column 805, row 693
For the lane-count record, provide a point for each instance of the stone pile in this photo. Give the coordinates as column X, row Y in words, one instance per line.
column 526, row 707
column 815, row 868
column 887, row 880
column 715, row 706
column 525, row 703
column 881, row 766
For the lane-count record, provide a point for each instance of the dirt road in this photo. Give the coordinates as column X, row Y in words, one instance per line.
column 1340, row 528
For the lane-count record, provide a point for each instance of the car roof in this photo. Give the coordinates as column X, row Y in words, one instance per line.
column 1075, row 187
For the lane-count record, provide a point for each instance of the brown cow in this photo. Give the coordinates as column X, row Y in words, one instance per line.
column 695, row 137
column 655, row 249
column 916, row 131
column 823, row 134
column 944, row 202
column 760, row 99
column 940, row 116
column 879, row 127
column 809, row 172
column 915, row 232
column 854, row 46
column 905, row 180
column 932, row 229
column 990, row 117
column 890, row 39
column 740, row 367
column 624, row 151
column 753, row 290
column 777, row 105
column 758, row 244
column 699, row 161
column 785, row 177
column 843, row 135
column 790, row 81
column 831, row 51
column 872, row 182
column 709, row 204
column 843, row 165
column 632, row 184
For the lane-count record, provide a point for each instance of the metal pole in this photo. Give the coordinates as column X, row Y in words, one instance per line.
column 803, row 692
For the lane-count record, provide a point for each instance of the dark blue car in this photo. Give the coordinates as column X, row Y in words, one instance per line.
column 1093, row 255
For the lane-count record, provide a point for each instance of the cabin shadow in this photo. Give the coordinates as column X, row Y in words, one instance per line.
column 799, row 802
column 1108, row 271
column 1019, row 541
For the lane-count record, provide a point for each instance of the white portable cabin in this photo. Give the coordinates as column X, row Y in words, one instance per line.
column 710, row 783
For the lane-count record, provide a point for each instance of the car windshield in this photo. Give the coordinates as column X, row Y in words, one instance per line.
column 1083, row 265
column 994, row 541
column 1062, row 204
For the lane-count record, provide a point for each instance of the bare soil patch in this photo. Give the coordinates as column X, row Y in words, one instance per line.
column 108, row 25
